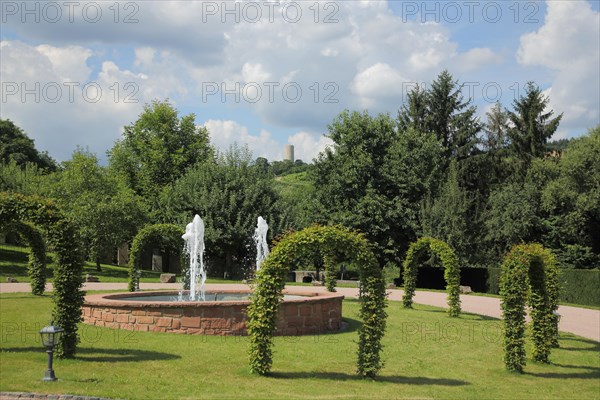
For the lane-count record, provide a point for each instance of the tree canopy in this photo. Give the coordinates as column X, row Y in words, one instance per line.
column 16, row 146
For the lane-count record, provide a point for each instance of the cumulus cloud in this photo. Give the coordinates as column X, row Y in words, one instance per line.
column 49, row 92
column 569, row 44
column 355, row 55
column 224, row 133
column 477, row 58
column 307, row 146
column 379, row 81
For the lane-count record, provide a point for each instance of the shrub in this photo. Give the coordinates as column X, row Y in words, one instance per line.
column 529, row 276
column 336, row 243
column 62, row 237
column 164, row 236
column 36, row 268
column 451, row 271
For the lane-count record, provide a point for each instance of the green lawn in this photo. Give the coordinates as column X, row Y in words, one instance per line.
column 427, row 354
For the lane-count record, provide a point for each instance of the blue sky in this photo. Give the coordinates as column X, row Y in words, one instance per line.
column 268, row 73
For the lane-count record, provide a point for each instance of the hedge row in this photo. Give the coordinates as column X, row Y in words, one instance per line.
column 578, row 286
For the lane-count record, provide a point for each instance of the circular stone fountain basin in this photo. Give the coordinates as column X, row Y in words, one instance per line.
column 224, row 313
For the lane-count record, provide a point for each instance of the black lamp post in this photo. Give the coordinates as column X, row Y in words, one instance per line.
column 50, row 337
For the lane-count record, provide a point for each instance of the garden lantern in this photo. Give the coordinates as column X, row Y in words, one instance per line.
column 50, row 337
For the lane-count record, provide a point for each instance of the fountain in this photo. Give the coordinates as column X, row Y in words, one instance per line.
column 211, row 312
column 260, row 238
column 194, row 247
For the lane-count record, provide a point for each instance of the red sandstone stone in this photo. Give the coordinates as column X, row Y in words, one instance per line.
column 172, row 312
column 164, row 321
column 190, row 322
column 145, row 320
column 319, row 314
column 108, row 317
column 143, row 328
column 122, row 318
column 290, row 310
column 305, row 311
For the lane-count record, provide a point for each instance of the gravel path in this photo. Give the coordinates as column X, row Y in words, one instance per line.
column 580, row 321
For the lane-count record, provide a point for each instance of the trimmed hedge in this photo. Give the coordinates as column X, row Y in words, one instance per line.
column 481, row 280
column 580, row 286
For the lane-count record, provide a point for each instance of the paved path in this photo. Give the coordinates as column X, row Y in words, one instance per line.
column 580, row 321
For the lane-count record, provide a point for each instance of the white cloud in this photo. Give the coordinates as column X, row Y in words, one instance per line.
column 69, row 62
column 254, row 73
column 477, row 58
column 224, row 133
column 307, row 146
column 362, row 60
column 377, row 82
column 59, row 104
column 569, row 44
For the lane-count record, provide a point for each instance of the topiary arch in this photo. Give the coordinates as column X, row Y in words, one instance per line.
column 164, row 236
column 451, row 271
column 529, row 276
column 63, row 239
column 293, row 250
column 36, row 268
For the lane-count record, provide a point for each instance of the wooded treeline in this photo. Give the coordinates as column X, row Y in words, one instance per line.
column 432, row 169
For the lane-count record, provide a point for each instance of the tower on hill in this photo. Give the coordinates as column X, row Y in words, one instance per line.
column 288, row 152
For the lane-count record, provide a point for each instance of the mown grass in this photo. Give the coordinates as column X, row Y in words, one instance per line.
column 427, row 354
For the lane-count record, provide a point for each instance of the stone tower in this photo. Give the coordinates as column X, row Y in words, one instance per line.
column 288, row 153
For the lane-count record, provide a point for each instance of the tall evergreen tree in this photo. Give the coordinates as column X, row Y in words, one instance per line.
column 496, row 128
column 452, row 118
column 414, row 113
column 532, row 124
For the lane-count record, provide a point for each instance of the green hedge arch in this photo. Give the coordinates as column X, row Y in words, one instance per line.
column 164, row 236
column 451, row 271
column 293, row 250
column 529, row 276
column 62, row 237
column 36, row 268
